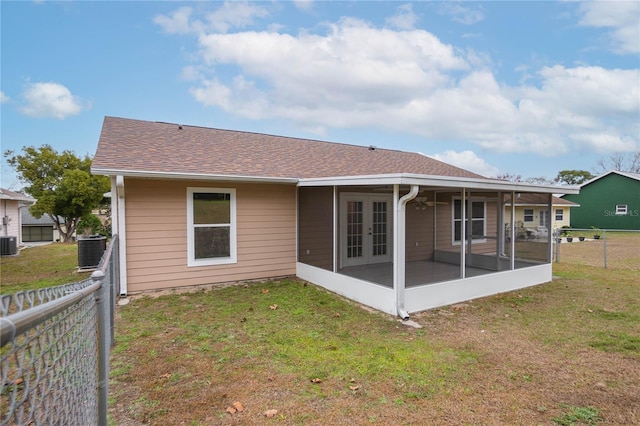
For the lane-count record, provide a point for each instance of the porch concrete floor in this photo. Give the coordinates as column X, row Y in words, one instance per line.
column 417, row 273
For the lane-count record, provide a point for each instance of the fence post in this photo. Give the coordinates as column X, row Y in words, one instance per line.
column 102, row 298
column 604, row 237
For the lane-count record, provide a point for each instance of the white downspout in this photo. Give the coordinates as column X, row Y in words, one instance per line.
column 122, row 240
column 399, row 255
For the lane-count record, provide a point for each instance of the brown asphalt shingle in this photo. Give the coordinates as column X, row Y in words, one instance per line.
column 539, row 199
column 135, row 145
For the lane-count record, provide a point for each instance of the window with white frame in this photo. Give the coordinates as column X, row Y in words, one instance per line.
column 478, row 221
column 559, row 214
column 528, row 215
column 621, row 209
column 211, row 221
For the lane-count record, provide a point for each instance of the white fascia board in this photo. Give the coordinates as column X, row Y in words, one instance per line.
column 191, row 176
column 439, row 181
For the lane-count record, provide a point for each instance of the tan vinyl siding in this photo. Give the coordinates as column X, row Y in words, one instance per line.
column 156, row 221
column 419, row 230
column 444, row 234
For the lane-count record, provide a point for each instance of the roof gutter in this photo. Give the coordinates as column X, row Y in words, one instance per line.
column 191, row 176
column 117, row 186
column 399, row 263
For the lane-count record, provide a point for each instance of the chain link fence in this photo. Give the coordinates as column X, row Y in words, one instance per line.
column 614, row 249
column 55, row 346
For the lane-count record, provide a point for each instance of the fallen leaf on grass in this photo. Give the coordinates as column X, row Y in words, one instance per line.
column 236, row 407
column 336, row 315
column 273, row 307
column 316, row 380
column 265, row 291
column 270, row 413
column 166, row 376
column 354, row 388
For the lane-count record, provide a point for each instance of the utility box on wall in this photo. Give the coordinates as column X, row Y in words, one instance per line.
column 8, row 246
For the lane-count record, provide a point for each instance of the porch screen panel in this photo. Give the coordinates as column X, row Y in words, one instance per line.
column 379, row 228
column 315, row 226
column 355, row 227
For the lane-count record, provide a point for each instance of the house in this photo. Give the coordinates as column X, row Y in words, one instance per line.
column 396, row 231
column 11, row 204
column 532, row 214
column 38, row 230
column 608, row 201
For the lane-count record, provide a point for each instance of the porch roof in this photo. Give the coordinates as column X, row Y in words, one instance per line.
column 445, row 182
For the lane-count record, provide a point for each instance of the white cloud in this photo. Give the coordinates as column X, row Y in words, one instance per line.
column 462, row 14
column 4, row 98
column 468, row 160
column 408, row 81
column 621, row 17
column 304, row 5
column 176, row 23
column 50, row 100
column 405, row 19
column 229, row 15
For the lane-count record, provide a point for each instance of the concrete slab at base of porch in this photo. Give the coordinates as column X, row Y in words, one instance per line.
column 417, row 273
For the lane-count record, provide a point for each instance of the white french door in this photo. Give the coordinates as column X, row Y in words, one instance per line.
column 365, row 228
column 544, row 218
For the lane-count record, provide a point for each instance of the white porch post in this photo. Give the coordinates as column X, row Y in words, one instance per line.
column 500, row 222
column 463, row 232
column 335, row 228
column 513, row 231
column 549, row 229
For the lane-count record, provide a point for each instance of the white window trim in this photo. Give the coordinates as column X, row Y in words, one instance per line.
column 621, row 209
column 453, row 221
column 233, row 255
column 524, row 215
column 561, row 215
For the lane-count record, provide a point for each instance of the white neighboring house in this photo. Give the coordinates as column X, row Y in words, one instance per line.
column 11, row 203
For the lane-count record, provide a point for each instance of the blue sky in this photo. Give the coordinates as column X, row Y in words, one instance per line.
column 527, row 88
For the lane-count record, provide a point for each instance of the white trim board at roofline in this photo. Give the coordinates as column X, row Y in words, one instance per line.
column 388, row 179
column 438, row 181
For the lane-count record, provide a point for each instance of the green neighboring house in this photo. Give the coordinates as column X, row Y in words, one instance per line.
column 609, row 201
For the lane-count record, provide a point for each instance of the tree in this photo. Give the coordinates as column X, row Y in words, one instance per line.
column 519, row 179
column 61, row 183
column 573, row 177
column 629, row 162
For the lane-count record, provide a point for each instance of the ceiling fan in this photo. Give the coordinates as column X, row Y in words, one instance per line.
column 422, row 203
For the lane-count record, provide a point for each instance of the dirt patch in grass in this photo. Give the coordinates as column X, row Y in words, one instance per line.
column 529, row 357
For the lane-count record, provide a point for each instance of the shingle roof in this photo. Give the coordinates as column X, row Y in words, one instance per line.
column 128, row 145
column 29, row 219
column 6, row 194
column 530, row 199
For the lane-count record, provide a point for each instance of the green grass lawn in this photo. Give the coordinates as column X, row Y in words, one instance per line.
column 565, row 352
column 39, row 267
